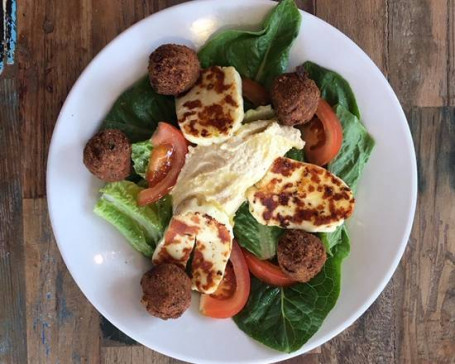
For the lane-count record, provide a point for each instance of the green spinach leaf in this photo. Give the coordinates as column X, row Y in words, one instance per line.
column 285, row 318
column 138, row 110
column 260, row 55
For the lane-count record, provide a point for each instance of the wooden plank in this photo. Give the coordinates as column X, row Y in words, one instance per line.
column 451, row 53
column 363, row 21
column 427, row 329
column 61, row 324
column 12, row 303
column 371, row 338
column 54, row 48
column 134, row 354
column 417, row 51
column 307, row 5
column 112, row 17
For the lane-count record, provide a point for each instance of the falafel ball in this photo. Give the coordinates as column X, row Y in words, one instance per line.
column 108, row 155
column 166, row 291
column 295, row 98
column 301, row 255
column 173, row 69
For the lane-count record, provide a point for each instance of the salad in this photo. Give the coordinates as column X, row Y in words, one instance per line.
column 235, row 178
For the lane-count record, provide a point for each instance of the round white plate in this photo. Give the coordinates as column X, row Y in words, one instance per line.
column 108, row 271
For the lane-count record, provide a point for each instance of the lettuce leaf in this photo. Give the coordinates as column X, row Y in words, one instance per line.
column 285, row 318
column 259, row 239
column 260, row 113
column 141, row 226
column 138, row 110
column 141, row 155
column 260, row 55
column 296, row 154
column 349, row 163
column 334, row 88
column 355, row 151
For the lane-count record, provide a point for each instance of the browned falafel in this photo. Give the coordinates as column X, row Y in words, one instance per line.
column 108, row 155
column 173, row 69
column 301, row 255
column 295, row 98
column 166, row 291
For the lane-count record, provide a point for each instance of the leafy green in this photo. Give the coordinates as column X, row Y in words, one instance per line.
column 351, row 160
column 260, row 113
column 259, row 239
column 138, row 110
column 296, row 154
column 334, row 88
column 285, row 318
column 141, row 155
column 355, row 150
column 260, row 55
column 141, row 226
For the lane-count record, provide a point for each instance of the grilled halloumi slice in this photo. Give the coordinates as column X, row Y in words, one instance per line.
column 298, row 195
column 200, row 231
column 212, row 110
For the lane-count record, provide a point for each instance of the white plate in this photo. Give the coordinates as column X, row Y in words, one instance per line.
column 108, row 271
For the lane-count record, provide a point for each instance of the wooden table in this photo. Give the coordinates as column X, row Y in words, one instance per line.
column 44, row 318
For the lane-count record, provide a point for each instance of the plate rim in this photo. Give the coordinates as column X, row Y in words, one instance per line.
column 403, row 239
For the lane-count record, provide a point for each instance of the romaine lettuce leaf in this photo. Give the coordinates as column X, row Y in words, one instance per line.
column 285, row 318
column 334, row 88
column 259, row 239
column 141, row 226
column 261, row 55
column 141, row 155
column 260, row 113
column 296, row 154
column 138, row 110
column 351, row 160
column 355, row 151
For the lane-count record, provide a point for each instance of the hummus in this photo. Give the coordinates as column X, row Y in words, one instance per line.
column 219, row 174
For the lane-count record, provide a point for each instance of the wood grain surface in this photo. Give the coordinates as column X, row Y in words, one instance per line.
column 44, row 318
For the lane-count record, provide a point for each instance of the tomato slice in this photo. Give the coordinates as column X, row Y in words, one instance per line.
column 225, row 307
column 228, row 285
column 266, row 271
column 323, row 135
column 160, row 163
column 255, row 92
column 166, row 162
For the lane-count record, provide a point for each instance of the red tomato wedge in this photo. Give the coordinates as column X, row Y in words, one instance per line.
column 323, row 135
column 166, row 162
column 266, row 271
column 255, row 92
column 228, row 285
column 160, row 163
column 220, row 306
